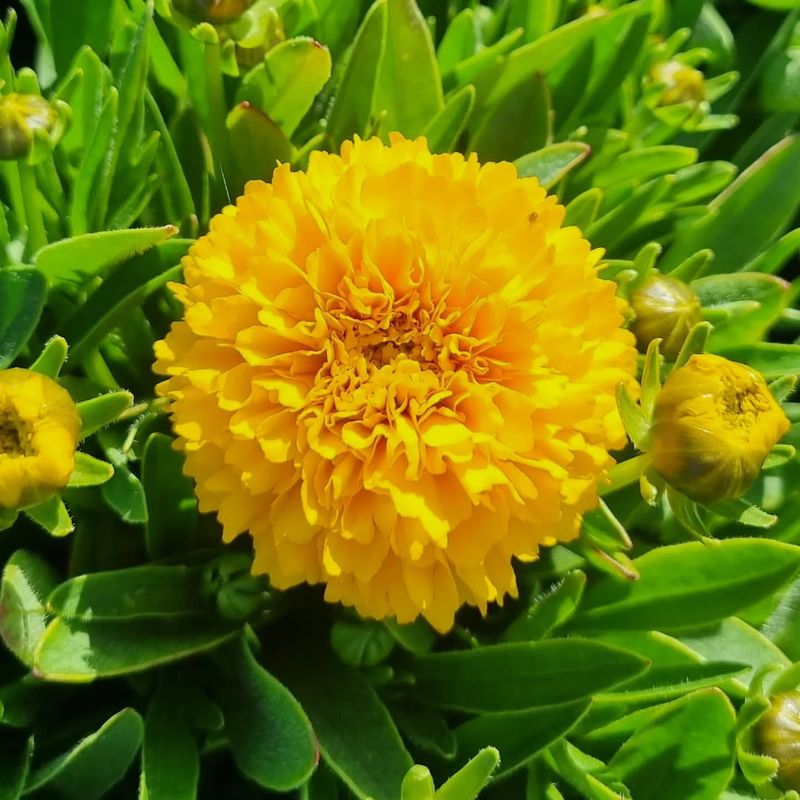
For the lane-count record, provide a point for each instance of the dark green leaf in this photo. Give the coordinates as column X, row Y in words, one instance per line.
column 548, row 611
column 443, row 130
column 534, row 674
column 16, row 748
column 362, row 643
column 22, row 295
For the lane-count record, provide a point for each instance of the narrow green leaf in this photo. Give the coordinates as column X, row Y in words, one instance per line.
column 467, row 783
column 582, row 210
column 286, row 82
column 26, row 582
column 82, row 257
column 443, row 130
column 417, row 784
column 22, row 296
column 408, row 89
column 636, row 425
column 691, row 739
column 79, row 23
column 645, row 163
column 124, row 493
column 351, row 110
column 52, row 515
column 52, row 357
column 690, row 584
column 102, row 410
column 95, row 764
column 90, row 471
column 695, row 343
column 73, row 651
column 148, row 591
column 519, row 735
column 16, row 749
column 269, row 733
column 535, row 674
column 745, row 513
column 548, row 611
column 550, row 164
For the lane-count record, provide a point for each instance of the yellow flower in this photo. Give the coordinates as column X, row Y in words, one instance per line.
column 397, row 371
column 714, row 423
column 665, row 309
column 39, row 429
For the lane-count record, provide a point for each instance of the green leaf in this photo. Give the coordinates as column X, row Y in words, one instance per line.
column 645, row 163
column 408, row 89
column 776, row 255
column 443, row 130
column 92, row 254
column 692, row 740
column 52, row 358
column 171, row 505
column 582, row 211
column 16, row 749
column 519, row 735
column 687, row 585
column 356, row 735
column 417, row 784
column 286, row 82
column 26, row 582
column 700, row 181
column 269, row 734
column 636, row 426
column 258, row 144
column 362, row 643
column 170, row 759
column 548, row 611
column 424, row 727
column 90, row 471
column 52, row 515
column 73, row 651
column 78, row 23
column 467, row 783
column 534, row 674
column 518, row 124
column 22, row 296
column 148, row 591
column 95, row 764
column 743, row 512
column 694, row 343
column 741, row 224
column 124, row 493
column 102, row 410
column 351, row 110
column 550, row 164
column 771, row 359
column 126, row 287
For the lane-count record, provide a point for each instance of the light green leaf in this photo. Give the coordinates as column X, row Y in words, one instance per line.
column 89, row 471
column 52, row 358
column 286, row 82
column 52, row 515
column 102, row 410
column 550, row 164
column 95, row 764
column 92, row 254
column 443, row 130
column 26, row 582
column 124, row 493
column 535, row 674
column 687, row 585
column 771, row 359
column 582, row 210
column 22, row 296
column 471, row 778
column 645, row 163
column 691, row 739
column 417, row 784
column 408, row 89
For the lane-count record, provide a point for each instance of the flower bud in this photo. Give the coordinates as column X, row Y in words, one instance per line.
column 714, row 423
column 665, row 309
column 217, row 12
column 39, row 429
column 21, row 116
column 778, row 736
column 682, row 84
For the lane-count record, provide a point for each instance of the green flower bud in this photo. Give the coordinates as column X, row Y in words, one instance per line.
column 778, row 735
column 22, row 116
column 665, row 309
column 682, row 83
column 714, row 423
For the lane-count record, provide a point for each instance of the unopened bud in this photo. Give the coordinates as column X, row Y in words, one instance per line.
column 714, row 423
column 21, row 117
column 667, row 309
column 778, row 736
column 217, row 12
column 682, row 83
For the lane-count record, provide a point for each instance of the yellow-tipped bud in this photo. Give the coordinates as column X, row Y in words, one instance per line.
column 21, row 116
column 217, row 12
column 667, row 309
column 714, row 423
column 39, row 429
column 778, row 736
column 682, row 84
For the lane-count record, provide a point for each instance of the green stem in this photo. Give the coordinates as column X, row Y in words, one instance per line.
column 37, row 235
column 217, row 115
column 624, row 474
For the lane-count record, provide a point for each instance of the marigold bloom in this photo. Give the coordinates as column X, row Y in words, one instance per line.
column 667, row 309
column 39, row 429
column 397, row 371
column 714, row 424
